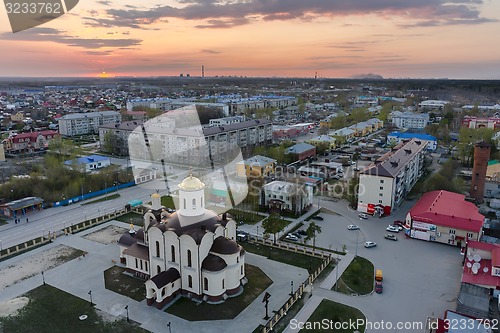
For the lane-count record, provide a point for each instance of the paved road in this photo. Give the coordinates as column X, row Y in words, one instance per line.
column 420, row 278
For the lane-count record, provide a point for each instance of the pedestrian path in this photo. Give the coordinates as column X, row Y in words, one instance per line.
column 326, row 286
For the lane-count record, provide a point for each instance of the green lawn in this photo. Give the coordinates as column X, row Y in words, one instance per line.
column 335, row 314
column 51, row 310
column 284, row 256
column 136, row 219
column 258, row 281
column 168, row 202
column 246, row 217
column 108, row 197
column 125, row 285
column 357, row 278
column 2, row 221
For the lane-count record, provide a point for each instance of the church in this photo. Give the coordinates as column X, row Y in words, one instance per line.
column 191, row 252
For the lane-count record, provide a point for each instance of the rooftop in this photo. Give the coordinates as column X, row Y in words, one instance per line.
column 447, row 209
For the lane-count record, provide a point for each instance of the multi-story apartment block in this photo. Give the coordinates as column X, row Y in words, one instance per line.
column 87, row 123
column 192, row 146
column 165, row 104
column 384, row 184
column 238, row 105
column 409, row 120
column 226, row 121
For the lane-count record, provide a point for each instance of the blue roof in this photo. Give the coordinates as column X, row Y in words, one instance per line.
column 87, row 159
column 413, row 135
column 299, row 148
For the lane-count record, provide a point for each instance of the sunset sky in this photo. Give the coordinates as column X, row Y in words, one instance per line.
column 289, row 38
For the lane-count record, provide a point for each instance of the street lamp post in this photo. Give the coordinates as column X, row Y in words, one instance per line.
column 169, row 325
column 43, row 278
column 126, row 308
column 90, row 294
column 291, row 291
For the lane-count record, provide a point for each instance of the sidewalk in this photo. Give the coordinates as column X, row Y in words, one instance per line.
column 313, row 302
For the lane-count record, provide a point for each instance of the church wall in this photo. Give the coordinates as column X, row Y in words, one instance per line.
column 187, row 243
column 214, row 283
column 234, row 263
column 231, row 229
column 205, row 245
column 155, row 236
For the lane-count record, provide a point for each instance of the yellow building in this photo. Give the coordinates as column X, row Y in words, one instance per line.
column 256, row 166
column 323, row 138
column 17, row 117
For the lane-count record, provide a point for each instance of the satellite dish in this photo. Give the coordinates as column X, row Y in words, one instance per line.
column 486, row 269
column 469, row 257
column 477, row 258
column 476, row 265
column 474, row 270
column 469, row 265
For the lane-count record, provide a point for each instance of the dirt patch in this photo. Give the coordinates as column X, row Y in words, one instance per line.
column 36, row 264
column 110, row 234
column 12, row 306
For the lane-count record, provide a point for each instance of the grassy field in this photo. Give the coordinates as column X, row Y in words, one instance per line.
column 2, row 221
column 336, row 313
column 136, row 219
column 51, row 310
column 258, row 281
column 168, row 202
column 125, row 285
column 357, row 278
column 287, row 257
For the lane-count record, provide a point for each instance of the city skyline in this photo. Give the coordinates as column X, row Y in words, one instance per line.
column 333, row 38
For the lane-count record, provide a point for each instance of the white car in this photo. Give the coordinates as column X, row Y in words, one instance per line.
column 352, row 227
column 292, row 237
column 392, row 228
column 370, row 244
column 363, row 216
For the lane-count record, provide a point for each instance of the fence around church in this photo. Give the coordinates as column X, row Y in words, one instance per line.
column 66, row 230
column 305, row 286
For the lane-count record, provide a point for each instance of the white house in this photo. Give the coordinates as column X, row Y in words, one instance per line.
column 191, row 252
column 292, row 197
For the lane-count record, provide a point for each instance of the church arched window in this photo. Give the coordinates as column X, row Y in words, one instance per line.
column 172, row 252
column 184, row 201
column 190, row 281
column 223, row 286
column 157, row 248
column 190, row 263
column 158, row 269
column 205, row 283
column 194, row 203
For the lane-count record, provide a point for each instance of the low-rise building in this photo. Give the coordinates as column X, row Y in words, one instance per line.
column 301, row 151
column 292, row 197
column 323, row 139
column 89, row 163
column 482, row 265
column 476, row 122
column 29, row 142
column 256, row 166
column 444, row 217
column 384, row 184
column 395, row 138
column 226, row 121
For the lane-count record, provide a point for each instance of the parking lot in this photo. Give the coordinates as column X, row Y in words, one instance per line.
column 420, row 278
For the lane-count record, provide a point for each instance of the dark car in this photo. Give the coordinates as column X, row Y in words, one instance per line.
column 302, row 232
column 318, row 218
column 399, row 223
column 379, row 288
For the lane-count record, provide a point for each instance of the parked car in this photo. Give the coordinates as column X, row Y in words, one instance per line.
column 318, row 218
column 352, row 227
column 399, row 223
column 336, row 177
column 302, row 232
column 363, row 216
column 379, row 288
column 390, row 237
column 295, row 233
column 292, row 237
column 242, row 237
column 392, row 228
column 370, row 244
